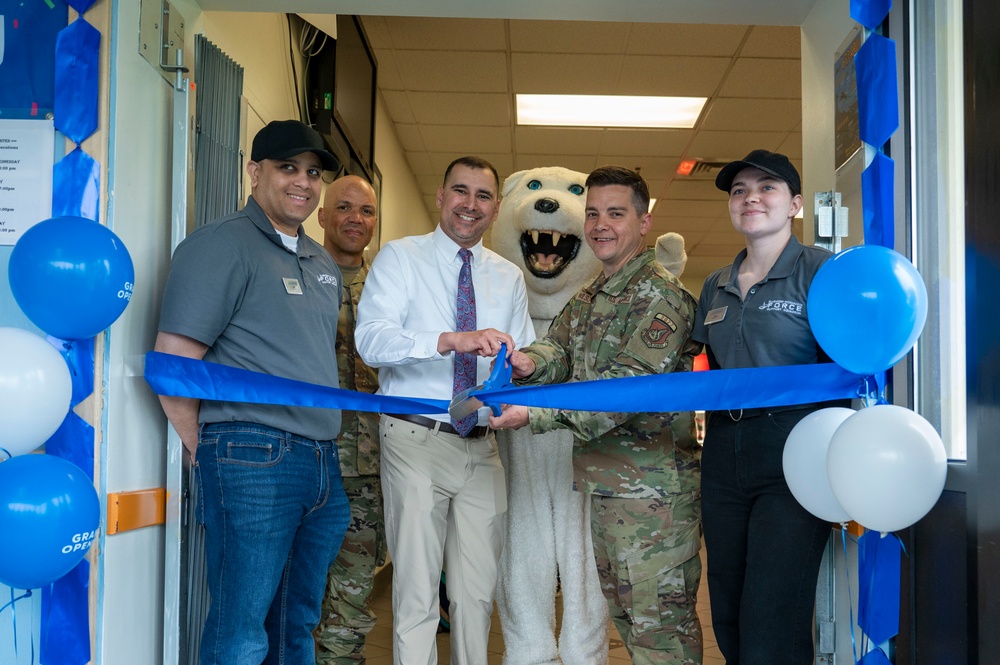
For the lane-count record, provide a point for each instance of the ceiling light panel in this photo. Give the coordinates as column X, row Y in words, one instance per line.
column 609, row 111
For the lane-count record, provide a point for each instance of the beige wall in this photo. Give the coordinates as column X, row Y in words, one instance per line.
column 823, row 32
column 270, row 94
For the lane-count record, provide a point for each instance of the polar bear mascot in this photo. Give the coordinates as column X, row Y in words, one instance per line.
column 540, row 228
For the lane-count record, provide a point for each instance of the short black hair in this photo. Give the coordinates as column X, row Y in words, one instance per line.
column 619, row 175
column 472, row 162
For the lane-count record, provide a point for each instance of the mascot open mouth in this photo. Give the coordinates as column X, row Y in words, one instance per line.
column 547, row 253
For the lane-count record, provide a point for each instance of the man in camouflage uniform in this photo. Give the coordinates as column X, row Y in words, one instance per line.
column 641, row 469
column 348, row 218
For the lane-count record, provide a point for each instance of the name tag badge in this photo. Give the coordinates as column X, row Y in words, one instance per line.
column 716, row 315
column 292, row 286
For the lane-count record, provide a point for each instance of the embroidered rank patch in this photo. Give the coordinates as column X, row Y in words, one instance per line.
column 658, row 332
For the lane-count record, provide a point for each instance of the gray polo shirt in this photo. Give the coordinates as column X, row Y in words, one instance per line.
column 258, row 306
column 770, row 327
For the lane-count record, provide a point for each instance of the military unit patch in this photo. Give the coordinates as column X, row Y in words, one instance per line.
column 658, row 332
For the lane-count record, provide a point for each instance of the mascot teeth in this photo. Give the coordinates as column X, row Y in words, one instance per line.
column 544, row 255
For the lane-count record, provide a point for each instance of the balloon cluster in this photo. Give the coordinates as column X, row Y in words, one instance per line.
column 72, row 278
column 884, row 466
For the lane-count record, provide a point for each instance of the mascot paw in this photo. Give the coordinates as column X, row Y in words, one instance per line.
column 670, row 253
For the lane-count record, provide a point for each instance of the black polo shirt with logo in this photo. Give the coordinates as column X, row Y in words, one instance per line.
column 770, row 327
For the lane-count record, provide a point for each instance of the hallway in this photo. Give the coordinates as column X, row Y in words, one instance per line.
column 380, row 640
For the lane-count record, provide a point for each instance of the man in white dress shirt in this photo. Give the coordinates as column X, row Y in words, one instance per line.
column 444, row 493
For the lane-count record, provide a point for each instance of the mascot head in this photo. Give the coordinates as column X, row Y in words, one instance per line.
column 540, row 229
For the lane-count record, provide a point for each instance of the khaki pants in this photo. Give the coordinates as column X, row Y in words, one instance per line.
column 445, row 499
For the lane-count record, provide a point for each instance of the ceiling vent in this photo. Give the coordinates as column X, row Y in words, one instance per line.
column 701, row 169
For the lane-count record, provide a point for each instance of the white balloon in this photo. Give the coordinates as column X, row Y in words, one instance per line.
column 35, row 391
column 887, row 467
column 804, row 463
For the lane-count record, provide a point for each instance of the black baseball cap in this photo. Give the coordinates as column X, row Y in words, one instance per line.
column 282, row 139
column 772, row 163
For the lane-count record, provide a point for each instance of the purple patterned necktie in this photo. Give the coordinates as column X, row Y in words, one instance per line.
column 465, row 363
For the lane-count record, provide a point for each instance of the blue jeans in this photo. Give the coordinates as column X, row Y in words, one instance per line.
column 275, row 513
column 763, row 548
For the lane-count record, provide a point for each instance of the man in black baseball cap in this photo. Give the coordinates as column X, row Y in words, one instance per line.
column 281, row 139
column 772, row 163
column 251, row 290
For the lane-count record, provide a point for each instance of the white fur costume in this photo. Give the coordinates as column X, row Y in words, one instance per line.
column 540, row 228
column 548, row 524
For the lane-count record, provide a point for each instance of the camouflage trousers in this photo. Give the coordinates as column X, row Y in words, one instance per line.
column 347, row 616
column 647, row 560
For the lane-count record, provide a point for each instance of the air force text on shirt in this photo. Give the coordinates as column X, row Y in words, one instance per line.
column 789, row 306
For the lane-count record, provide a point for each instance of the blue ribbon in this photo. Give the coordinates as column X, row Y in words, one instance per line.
column 81, row 6
column 870, row 13
column 878, row 585
column 65, row 603
column 74, row 441
column 176, row 376
column 77, row 50
column 878, row 112
column 877, row 202
column 76, row 186
column 875, row 657
column 13, row 621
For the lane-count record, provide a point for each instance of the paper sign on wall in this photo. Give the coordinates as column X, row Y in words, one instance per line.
column 26, row 157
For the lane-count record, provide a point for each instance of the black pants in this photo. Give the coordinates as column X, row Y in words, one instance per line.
column 763, row 548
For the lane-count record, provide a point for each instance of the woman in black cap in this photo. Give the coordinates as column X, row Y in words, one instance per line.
column 763, row 548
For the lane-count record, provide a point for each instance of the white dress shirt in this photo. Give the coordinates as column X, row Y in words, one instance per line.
column 409, row 299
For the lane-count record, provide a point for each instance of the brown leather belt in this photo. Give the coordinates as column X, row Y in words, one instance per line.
column 477, row 432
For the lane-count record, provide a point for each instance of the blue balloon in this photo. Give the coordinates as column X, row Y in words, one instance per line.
column 49, row 514
column 71, row 276
column 867, row 306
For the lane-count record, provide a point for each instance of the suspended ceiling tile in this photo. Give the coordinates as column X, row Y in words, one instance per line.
column 419, row 162
column 397, row 104
column 792, row 146
column 696, row 189
column 556, row 73
column 436, row 70
column 771, row 41
column 429, row 182
column 728, row 146
column 753, row 115
column 652, row 168
column 646, row 142
column 388, row 72
column 409, row 137
column 678, row 39
column 377, row 31
column 461, row 108
column 690, row 208
column 458, row 34
column 466, row 140
column 773, row 78
column 581, row 163
column 558, row 140
column 439, row 162
column 568, row 37
column 679, row 76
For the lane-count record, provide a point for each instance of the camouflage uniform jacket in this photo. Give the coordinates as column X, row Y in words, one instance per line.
column 636, row 322
column 358, row 439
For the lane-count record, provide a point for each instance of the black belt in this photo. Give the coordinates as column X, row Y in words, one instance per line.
column 737, row 415
column 477, row 432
